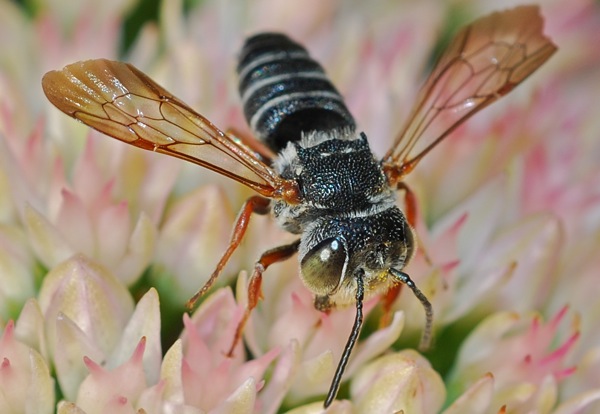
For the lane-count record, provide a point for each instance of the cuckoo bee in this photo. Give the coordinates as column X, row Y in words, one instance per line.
column 310, row 165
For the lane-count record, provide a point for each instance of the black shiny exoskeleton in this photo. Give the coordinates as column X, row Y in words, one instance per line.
column 348, row 208
column 285, row 92
column 353, row 236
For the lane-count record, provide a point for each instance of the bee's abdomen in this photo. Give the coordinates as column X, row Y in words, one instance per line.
column 285, row 92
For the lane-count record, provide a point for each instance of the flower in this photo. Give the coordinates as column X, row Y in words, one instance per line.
column 376, row 387
column 101, row 244
column 24, row 377
column 525, row 367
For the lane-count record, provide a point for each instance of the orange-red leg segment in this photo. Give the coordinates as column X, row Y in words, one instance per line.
column 410, row 204
column 255, row 204
column 269, row 257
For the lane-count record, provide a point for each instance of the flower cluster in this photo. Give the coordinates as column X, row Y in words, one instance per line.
column 101, row 244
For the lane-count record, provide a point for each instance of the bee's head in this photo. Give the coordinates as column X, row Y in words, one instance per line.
column 335, row 249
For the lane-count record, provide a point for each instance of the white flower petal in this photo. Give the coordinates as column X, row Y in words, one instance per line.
column 145, row 322
column 49, row 244
column 113, row 228
column 76, row 224
column 193, row 237
column 240, row 401
column 377, row 343
column 16, row 274
column 71, row 345
column 337, row 407
column 41, row 397
column 139, row 252
column 313, row 377
column 66, row 407
column 170, row 373
column 399, row 381
column 89, row 295
column 579, row 402
column 476, row 399
column 30, row 327
column 279, row 382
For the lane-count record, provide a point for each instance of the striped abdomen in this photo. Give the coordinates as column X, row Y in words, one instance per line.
column 285, row 92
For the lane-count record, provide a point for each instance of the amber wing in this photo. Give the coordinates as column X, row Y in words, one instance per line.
column 119, row 100
column 484, row 62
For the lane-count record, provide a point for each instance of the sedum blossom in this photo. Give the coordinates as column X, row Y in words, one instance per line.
column 24, row 377
column 101, row 244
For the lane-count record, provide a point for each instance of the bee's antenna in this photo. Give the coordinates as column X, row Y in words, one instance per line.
column 426, row 337
column 358, row 320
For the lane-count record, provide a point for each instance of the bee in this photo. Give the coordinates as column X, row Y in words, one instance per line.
column 311, row 168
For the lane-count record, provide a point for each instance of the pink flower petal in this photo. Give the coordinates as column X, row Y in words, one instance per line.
column 76, row 224
column 113, row 391
column 24, row 377
column 113, row 231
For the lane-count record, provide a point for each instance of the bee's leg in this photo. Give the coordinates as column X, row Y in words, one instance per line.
column 254, row 144
column 255, row 204
column 323, row 303
column 410, row 211
column 410, row 204
column 388, row 301
column 269, row 257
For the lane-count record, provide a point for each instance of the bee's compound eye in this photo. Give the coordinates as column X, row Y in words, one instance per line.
column 324, row 265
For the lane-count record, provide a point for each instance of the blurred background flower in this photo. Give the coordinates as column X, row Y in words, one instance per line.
column 101, row 244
